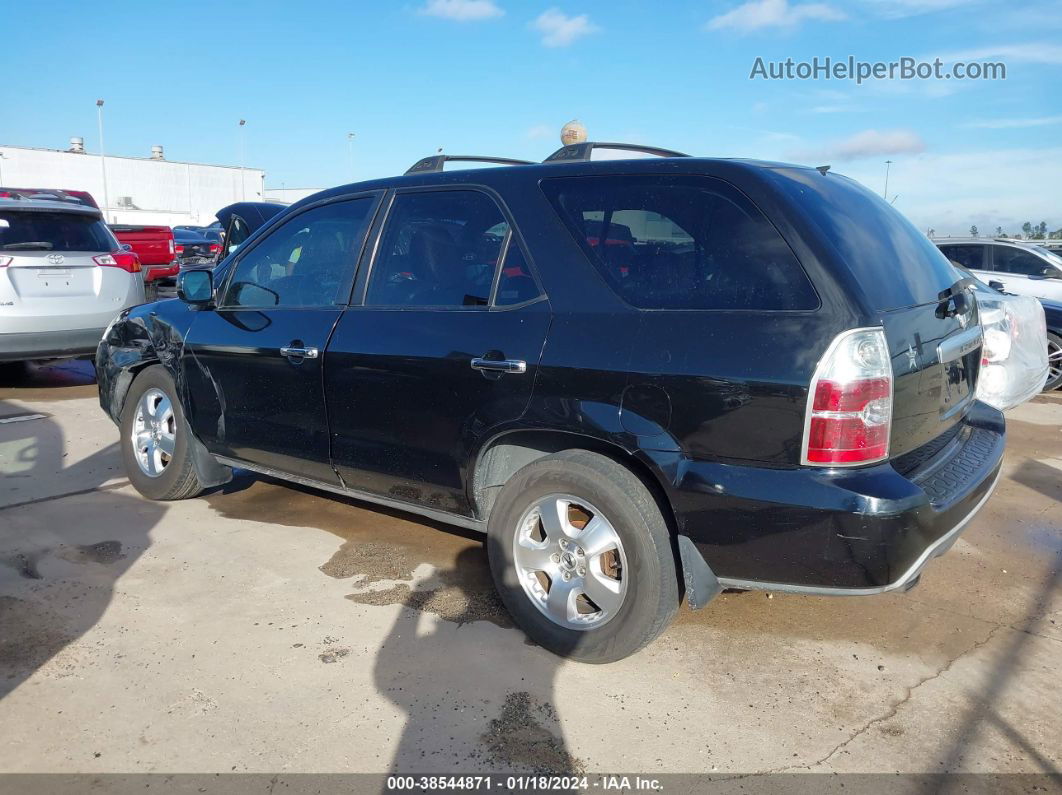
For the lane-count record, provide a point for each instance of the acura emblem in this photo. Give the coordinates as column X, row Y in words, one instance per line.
column 55, row 259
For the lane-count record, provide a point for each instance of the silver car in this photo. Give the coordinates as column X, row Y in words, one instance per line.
column 63, row 278
column 1019, row 267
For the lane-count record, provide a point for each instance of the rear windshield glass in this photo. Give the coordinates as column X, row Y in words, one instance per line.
column 897, row 265
column 44, row 231
column 681, row 242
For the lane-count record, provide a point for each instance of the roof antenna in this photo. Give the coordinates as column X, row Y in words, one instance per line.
column 822, row 169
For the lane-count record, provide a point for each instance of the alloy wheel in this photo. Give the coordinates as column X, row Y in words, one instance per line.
column 570, row 562
column 154, row 432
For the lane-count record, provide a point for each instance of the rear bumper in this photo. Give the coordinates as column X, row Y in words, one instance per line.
column 155, row 272
column 840, row 532
column 22, row 346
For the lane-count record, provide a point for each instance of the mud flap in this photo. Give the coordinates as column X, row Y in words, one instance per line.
column 702, row 586
column 207, row 468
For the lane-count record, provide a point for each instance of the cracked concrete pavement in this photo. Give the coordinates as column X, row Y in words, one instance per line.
column 267, row 628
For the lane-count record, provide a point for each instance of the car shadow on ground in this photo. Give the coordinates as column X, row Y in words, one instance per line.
column 60, row 556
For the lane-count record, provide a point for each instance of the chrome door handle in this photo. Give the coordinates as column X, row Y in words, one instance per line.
column 299, row 353
column 500, row 365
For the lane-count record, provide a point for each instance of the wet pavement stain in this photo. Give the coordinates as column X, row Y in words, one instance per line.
column 379, row 545
column 67, row 379
column 102, row 552
column 517, row 738
column 25, row 563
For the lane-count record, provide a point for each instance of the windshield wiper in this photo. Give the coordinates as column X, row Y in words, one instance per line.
column 35, row 245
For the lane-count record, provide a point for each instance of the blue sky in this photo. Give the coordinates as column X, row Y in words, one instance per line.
column 501, row 77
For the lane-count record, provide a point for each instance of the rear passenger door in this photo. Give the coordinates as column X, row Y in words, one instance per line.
column 438, row 350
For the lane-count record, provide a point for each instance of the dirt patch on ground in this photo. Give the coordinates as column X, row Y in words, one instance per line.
column 517, row 738
column 451, row 603
column 30, row 635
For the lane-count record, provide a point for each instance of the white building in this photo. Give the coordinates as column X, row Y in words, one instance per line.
column 289, row 195
column 140, row 190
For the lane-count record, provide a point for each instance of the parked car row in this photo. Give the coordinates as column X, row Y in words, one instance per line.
column 644, row 380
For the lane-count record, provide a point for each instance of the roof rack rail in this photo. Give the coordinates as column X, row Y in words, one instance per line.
column 583, row 150
column 436, row 162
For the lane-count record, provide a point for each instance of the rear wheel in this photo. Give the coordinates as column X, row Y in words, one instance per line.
column 156, row 446
column 1054, row 362
column 582, row 557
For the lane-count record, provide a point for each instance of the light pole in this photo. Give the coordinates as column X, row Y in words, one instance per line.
column 350, row 153
column 243, row 152
column 103, row 158
column 3, row 157
column 888, row 164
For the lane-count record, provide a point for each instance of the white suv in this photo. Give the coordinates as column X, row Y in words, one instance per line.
column 63, row 278
column 1021, row 268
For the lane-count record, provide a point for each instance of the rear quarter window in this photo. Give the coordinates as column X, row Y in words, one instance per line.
column 896, row 264
column 681, row 242
column 58, row 231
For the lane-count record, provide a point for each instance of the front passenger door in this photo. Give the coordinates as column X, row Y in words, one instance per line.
column 1022, row 272
column 253, row 365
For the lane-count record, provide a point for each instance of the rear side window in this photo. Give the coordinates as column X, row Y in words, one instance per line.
column 972, row 257
column 664, row 242
column 44, row 231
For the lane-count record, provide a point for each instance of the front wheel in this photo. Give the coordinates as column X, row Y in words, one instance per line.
column 1054, row 362
column 582, row 557
column 156, row 447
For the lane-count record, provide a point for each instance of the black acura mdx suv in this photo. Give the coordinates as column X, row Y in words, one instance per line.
column 643, row 379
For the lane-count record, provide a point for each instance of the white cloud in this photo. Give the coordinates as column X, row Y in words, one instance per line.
column 868, row 143
column 462, row 10
column 758, row 14
column 896, row 9
column 559, row 30
column 1013, row 124
column 1031, row 52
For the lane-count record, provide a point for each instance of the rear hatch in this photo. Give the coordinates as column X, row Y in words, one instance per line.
column 49, row 274
column 153, row 244
column 925, row 305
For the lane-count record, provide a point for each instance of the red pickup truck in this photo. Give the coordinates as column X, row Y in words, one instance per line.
column 154, row 245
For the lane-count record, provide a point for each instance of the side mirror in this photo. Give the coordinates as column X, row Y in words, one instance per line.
column 126, row 247
column 996, row 285
column 196, row 287
column 1051, row 272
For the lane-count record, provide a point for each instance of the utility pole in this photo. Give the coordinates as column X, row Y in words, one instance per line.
column 103, row 159
column 243, row 152
column 888, row 164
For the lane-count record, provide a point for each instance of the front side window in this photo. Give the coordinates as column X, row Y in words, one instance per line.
column 972, row 257
column 53, row 231
column 1015, row 260
column 665, row 242
column 238, row 232
column 439, row 249
column 304, row 261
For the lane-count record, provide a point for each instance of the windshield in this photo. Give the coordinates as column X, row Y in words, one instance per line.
column 1048, row 255
column 53, row 231
column 896, row 264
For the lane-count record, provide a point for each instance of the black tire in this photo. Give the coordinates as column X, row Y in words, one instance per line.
column 1054, row 348
column 652, row 590
column 178, row 479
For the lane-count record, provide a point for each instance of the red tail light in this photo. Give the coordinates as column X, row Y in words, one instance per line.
column 171, row 245
column 180, row 250
column 126, row 260
column 215, row 248
column 850, row 405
